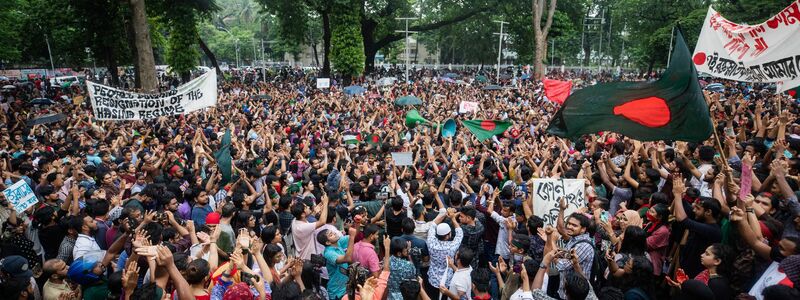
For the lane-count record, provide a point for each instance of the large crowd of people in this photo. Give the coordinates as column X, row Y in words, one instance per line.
column 141, row 210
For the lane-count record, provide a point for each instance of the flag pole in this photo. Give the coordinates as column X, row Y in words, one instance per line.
column 718, row 144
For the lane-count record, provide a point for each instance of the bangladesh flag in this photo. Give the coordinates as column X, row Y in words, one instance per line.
column 794, row 93
column 672, row 108
column 484, row 129
column 223, row 157
column 374, row 140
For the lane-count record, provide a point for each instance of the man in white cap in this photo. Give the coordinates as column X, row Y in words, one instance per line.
column 440, row 246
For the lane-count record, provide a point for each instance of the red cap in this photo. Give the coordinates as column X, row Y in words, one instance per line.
column 212, row 218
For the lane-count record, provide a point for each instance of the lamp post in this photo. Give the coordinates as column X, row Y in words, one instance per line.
column 500, row 47
column 406, row 32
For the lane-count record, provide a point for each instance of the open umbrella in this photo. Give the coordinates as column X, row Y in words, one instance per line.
column 46, row 119
column 386, row 81
column 462, row 82
column 716, row 87
column 481, row 78
column 42, row 101
column 8, row 87
column 354, row 90
column 447, row 79
column 492, row 87
column 407, row 100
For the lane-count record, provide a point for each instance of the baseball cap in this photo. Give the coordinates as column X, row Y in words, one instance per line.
column 16, row 266
column 442, row 229
column 212, row 218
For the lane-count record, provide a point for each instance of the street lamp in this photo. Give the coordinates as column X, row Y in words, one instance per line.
column 236, row 41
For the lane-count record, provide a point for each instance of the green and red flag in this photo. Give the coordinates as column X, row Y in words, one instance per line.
column 794, row 93
column 484, row 129
column 672, row 108
column 374, row 139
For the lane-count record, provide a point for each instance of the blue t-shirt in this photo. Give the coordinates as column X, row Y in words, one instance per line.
column 337, row 283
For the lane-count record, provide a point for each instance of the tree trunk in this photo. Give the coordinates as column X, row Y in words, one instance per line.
column 210, row 55
column 111, row 64
column 326, row 44
column 540, row 34
column 137, row 80
column 369, row 58
column 538, row 57
column 587, row 51
column 316, row 55
column 146, row 65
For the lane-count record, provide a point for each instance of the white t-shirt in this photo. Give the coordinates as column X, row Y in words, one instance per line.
column 303, row 235
column 462, row 282
column 699, row 183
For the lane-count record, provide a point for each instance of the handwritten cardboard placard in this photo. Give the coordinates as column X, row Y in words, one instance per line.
column 546, row 195
column 20, row 195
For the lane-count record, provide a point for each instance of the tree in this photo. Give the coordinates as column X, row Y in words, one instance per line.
column 540, row 33
column 145, row 62
column 378, row 22
column 347, row 52
column 10, row 19
column 182, row 51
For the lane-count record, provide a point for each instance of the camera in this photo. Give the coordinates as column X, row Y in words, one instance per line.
column 318, row 261
column 245, row 277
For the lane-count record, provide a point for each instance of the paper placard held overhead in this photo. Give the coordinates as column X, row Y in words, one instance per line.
column 403, row 158
column 20, row 195
column 546, row 195
column 323, row 83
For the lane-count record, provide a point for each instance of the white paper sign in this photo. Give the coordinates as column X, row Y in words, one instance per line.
column 323, row 83
column 766, row 52
column 467, row 106
column 547, row 192
column 109, row 103
column 771, row 276
column 403, row 158
column 20, row 195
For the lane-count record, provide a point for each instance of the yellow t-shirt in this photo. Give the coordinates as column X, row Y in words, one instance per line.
column 53, row 290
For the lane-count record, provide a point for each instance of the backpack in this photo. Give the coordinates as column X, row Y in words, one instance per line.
column 599, row 266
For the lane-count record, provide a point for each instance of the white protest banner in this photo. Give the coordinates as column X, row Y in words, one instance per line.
column 109, row 103
column 20, row 195
column 403, row 158
column 547, row 192
column 467, row 106
column 323, row 83
column 767, row 52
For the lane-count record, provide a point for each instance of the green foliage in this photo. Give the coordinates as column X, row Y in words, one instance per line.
column 10, row 19
column 347, row 44
column 750, row 11
column 649, row 24
column 182, row 50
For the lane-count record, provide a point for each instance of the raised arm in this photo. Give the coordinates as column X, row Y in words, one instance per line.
column 678, row 188
column 748, row 236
